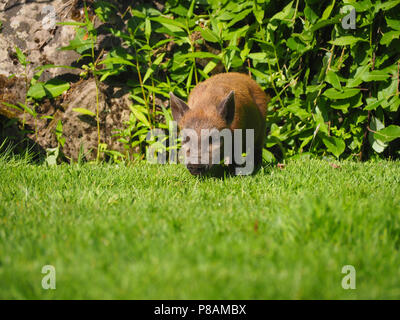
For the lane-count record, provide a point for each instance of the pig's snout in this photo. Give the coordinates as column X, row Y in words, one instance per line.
column 197, row 169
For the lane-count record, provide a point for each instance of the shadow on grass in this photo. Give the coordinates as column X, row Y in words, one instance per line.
column 224, row 172
column 25, row 149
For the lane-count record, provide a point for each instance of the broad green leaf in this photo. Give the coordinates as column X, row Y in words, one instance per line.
column 239, row 17
column 320, row 121
column 386, row 5
column 116, row 60
column 161, row 42
column 225, row 15
column 310, row 14
column 328, row 10
column 32, row 111
column 315, row 88
column 36, row 77
column 138, row 99
column 72, row 23
column 323, row 23
column 333, row 79
column 47, row 117
column 388, row 37
column 199, row 54
column 388, row 134
column 258, row 12
column 137, row 13
column 378, row 145
column 147, row 29
column 84, row 111
column 140, row 115
column 55, row 87
column 362, row 6
column 392, row 23
column 80, row 43
column 298, row 111
column 210, row 66
column 10, row 105
column 347, row 40
column 375, row 75
column 164, row 20
column 189, row 79
column 209, row 35
column 156, row 90
column 343, row 105
column 335, row 94
column 334, row 145
column 286, row 13
column 268, row 156
column 167, row 114
column 305, row 142
column 153, row 67
column 373, row 103
column 59, row 133
column 190, row 11
column 394, row 104
column 259, row 74
column 357, row 79
column 21, row 57
column 37, row 91
column 52, row 66
column 260, row 56
column 104, row 10
column 296, row 44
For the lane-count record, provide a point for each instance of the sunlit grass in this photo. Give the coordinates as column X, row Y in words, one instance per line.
column 151, row 232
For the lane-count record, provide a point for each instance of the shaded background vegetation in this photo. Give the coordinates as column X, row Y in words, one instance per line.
column 335, row 91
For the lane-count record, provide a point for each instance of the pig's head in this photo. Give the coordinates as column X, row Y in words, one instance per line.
column 202, row 129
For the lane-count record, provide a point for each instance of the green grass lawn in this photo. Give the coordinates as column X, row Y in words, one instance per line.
column 156, row 232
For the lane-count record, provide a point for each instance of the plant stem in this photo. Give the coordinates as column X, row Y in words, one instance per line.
column 142, row 87
column 192, row 49
column 274, row 87
column 97, row 117
column 26, row 94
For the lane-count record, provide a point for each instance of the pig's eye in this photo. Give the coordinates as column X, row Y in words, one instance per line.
column 186, row 140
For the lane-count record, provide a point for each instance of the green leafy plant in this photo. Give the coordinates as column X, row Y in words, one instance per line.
column 334, row 91
column 54, row 155
column 327, row 83
column 35, row 90
column 51, row 88
column 84, row 43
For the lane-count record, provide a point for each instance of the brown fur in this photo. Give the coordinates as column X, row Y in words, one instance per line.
column 250, row 105
column 227, row 100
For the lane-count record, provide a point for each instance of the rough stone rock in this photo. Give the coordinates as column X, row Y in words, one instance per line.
column 79, row 130
column 28, row 25
column 31, row 26
column 12, row 91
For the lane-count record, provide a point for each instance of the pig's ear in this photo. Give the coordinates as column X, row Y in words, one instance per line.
column 178, row 107
column 226, row 108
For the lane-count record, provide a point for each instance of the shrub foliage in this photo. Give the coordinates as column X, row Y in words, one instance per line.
column 334, row 86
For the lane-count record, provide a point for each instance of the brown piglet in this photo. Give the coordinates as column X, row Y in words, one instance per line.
column 224, row 101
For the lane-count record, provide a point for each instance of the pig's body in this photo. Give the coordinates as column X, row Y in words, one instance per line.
column 227, row 100
column 250, row 102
